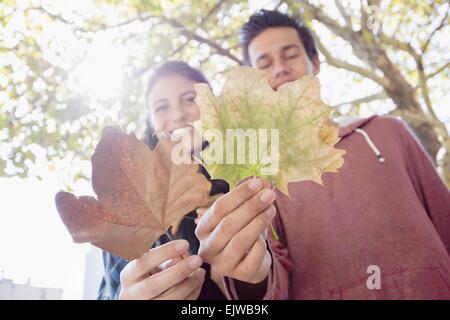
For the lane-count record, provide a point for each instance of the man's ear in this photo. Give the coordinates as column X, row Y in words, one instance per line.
column 316, row 65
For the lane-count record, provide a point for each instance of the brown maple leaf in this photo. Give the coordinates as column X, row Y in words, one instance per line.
column 140, row 192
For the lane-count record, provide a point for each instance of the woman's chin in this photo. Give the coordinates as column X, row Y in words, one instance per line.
column 180, row 132
column 190, row 137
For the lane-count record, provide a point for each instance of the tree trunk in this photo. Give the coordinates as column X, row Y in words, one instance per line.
column 428, row 132
column 445, row 162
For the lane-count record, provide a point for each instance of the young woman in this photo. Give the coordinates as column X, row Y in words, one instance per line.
column 170, row 97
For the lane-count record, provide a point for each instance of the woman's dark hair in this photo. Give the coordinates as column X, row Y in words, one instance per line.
column 167, row 68
column 263, row 19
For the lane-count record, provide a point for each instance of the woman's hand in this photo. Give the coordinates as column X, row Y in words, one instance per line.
column 215, row 276
column 179, row 279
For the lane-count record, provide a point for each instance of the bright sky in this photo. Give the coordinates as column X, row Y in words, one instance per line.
column 34, row 242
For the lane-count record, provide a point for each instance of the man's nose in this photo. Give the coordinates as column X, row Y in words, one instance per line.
column 280, row 69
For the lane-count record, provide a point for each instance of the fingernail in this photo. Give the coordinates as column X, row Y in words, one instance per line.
column 200, row 274
column 255, row 184
column 270, row 213
column 195, row 262
column 181, row 247
column 267, row 195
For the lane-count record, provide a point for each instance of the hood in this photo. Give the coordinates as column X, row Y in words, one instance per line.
column 353, row 124
column 356, row 126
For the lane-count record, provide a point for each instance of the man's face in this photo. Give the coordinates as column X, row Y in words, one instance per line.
column 280, row 53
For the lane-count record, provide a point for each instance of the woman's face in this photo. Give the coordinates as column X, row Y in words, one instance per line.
column 172, row 104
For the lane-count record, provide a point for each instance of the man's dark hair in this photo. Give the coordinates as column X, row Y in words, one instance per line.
column 263, row 19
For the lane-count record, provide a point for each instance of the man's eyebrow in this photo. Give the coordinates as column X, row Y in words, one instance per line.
column 283, row 49
column 289, row 46
column 263, row 56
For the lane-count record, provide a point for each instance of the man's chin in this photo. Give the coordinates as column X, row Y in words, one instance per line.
column 278, row 86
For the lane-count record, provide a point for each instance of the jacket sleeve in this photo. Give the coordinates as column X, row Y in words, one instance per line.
column 110, row 285
column 278, row 279
column 429, row 186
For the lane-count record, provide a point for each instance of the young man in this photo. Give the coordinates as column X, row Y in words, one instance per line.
column 378, row 229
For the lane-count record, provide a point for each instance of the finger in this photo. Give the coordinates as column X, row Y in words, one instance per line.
column 186, row 287
column 238, row 219
column 157, row 284
column 242, row 242
column 169, row 263
column 227, row 203
column 267, row 184
column 201, row 211
column 250, row 268
column 195, row 294
column 141, row 267
column 265, row 234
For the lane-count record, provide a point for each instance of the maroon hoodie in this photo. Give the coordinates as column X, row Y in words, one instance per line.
column 387, row 207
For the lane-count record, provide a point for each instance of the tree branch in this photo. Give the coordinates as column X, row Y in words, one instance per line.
column 344, row 14
column 377, row 96
column 342, row 31
column 280, row 2
column 424, row 88
column 363, row 18
column 422, row 78
column 144, row 17
column 51, row 15
column 400, row 45
column 139, row 72
column 194, row 36
column 348, row 66
column 441, row 24
column 140, row 17
column 438, row 70
column 212, row 11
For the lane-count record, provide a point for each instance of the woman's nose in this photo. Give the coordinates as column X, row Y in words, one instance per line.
column 179, row 115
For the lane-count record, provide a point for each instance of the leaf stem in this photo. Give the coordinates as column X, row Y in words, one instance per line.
column 169, row 236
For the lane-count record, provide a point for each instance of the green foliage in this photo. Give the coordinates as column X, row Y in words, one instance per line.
column 42, row 48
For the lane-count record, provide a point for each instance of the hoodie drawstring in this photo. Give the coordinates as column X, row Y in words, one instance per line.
column 371, row 144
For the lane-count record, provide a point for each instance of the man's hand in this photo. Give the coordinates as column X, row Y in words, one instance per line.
column 232, row 232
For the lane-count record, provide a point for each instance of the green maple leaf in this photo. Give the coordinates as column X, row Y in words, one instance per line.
column 290, row 125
